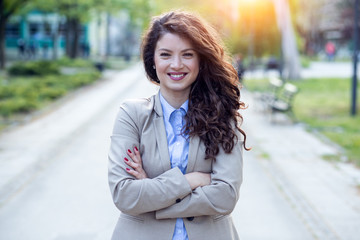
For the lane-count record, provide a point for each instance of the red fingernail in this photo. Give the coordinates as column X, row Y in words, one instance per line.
column 136, row 149
column 126, row 159
column 127, row 169
column 129, row 151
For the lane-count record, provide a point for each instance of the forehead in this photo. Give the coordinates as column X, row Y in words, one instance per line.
column 173, row 42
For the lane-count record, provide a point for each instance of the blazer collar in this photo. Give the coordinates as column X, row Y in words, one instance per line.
column 157, row 105
column 160, row 133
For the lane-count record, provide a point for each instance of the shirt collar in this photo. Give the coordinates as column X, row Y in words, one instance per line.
column 168, row 109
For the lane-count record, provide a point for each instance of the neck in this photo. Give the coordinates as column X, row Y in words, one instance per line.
column 175, row 100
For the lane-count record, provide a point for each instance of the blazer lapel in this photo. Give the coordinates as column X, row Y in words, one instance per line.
column 160, row 133
column 193, row 150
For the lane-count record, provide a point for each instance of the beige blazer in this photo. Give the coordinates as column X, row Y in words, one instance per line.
column 149, row 207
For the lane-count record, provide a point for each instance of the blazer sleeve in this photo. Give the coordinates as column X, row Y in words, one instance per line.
column 219, row 197
column 134, row 196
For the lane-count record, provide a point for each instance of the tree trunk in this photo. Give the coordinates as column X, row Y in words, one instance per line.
column 75, row 46
column 291, row 61
column 2, row 42
column 72, row 37
column 55, row 37
column 2, row 35
column 55, row 46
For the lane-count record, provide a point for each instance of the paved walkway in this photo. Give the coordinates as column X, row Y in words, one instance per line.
column 315, row 70
column 289, row 191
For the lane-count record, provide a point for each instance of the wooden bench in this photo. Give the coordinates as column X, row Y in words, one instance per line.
column 275, row 85
column 284, row 101
column 266, row 98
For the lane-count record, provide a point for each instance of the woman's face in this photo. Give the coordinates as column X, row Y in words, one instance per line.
column 177, row 65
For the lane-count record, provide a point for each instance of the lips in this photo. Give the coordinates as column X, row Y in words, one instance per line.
column 177, row 76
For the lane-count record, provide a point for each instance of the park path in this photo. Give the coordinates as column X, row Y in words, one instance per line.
column 53, row 173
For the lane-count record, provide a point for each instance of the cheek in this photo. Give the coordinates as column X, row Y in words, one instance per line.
column 195, row 66
column 159, row 63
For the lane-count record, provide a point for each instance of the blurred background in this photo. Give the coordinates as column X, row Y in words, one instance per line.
column 65, row 66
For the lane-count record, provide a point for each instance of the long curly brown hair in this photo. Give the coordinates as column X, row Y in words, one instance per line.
column 214, row 100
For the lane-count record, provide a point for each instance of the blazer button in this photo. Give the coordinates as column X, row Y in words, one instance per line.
column 190, row 218
column 178, row 200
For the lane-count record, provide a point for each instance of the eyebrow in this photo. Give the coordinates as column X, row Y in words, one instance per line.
column 185, row 50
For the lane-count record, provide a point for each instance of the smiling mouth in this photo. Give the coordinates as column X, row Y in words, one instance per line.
column 177, row 76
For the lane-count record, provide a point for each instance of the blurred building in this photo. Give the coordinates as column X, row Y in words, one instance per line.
column 114, row 35
column 323, row 21
column 36, row 34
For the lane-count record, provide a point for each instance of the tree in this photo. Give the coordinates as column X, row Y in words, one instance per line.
column 308, row 19
column 256, row 32
column 240, row 23
column 7, row 9
column 288, row 42
column 77, row 12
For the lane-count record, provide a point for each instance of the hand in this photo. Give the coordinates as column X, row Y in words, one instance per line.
column 135, row 164
column 198, row 179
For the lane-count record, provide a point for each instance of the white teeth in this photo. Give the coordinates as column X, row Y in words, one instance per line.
column 177, row 76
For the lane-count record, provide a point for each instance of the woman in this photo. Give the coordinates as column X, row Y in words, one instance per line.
column 175, row 161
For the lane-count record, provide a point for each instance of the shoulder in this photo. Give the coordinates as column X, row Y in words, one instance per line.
column 139, row 104
column 138, row 109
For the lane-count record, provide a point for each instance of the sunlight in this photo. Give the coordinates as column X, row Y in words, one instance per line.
column 248, row 0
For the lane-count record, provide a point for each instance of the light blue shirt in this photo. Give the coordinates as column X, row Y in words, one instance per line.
column 178, row 149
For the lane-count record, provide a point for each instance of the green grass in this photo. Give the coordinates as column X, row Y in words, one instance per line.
column 30, row 86
column 324, row 105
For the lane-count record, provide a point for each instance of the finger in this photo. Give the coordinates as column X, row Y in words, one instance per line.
column 136, row 174
column 137, row 155
column 132, row 155
column 128, row 162
column 133, row 172
column 137, row 167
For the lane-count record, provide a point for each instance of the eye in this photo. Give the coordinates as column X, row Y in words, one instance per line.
column 164, row 54
column 188, row 54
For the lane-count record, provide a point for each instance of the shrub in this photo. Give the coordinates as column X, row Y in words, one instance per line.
column 48, row 93
column 36, row 68
column 78, row 62
column 18, row 104
column 24, row 94
column 83, row 79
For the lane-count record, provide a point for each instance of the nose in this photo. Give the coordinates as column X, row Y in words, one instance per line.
column 177, row 62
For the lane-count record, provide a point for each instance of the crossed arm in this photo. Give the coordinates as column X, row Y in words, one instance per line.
column 200, row 193
column 195, row 179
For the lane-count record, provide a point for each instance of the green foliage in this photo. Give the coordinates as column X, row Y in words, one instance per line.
column 10, row 7
column 25, row 94
column 324, row 104
column 77, row 62
column 17, row 104
column 84, row 10
column 38, row 68
column 81, row 79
